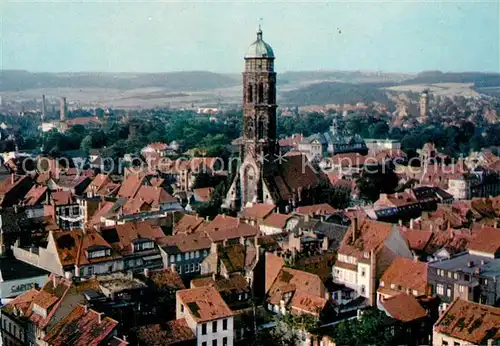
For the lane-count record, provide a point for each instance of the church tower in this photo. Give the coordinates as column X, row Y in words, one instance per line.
column 258, row 141
column 259, row 100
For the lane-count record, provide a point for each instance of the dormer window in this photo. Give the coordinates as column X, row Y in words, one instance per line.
column 98, row 252
column 142, row 244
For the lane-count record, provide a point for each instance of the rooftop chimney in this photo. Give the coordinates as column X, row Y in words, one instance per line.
column 100, row 317
column 355, row 228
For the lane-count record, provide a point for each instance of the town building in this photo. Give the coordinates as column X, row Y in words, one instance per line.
column 472, row 275
column 207, row 315
column 466, row 323
column 82, row 326
column 264, row 176
column 367, row 250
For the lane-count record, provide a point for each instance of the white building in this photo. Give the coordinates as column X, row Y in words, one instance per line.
column 382, row 144
column 367, row 250
column 207, row 315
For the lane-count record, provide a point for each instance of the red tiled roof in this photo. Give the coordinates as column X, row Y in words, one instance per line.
column 276, row 220
column 221, row 222
column 317, row 209
column 487, row 240
column 417, row 239
column 104, row 209
column 99, row 181
column 407, row 273
column 398, row 199
column 188, row 224
column 171, row 333
column 166, row 279
column 186, row 242
column 309, row 303
column 122, row 236
column 403, row 307
column 131, row 185
column 241, row 230
column 62, row 197
column 35, row 195
column 291, row 141
column 204, row 194
column 257, row 211
column 370, row 236
column 204, row 304
column 292, row 280
column 49, row 296
column 470, row 322
column 82, row 327
column 273, row 266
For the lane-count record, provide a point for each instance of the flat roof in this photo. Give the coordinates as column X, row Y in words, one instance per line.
column 459, row 262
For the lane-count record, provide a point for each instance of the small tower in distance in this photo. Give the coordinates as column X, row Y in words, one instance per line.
column 424, row 104
column 44, row 108
column 63, row 109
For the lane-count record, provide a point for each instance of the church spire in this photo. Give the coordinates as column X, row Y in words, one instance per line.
column 259, row 33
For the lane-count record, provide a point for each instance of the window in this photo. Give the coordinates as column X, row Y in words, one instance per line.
column 204, row 329
column 90, row 270
column 444, row 343
column 260, row 96
column 440, row 289
column 449, row 274
column 182, row 308
column 214, row 327
column 197, row 254
column 455, row 276
column 186, row 256
column 204, row 252
column 191, row 254
column 172, row 258
column 186, row 268
column 448, row 291
column 179, row 258
column 461, row 288
column 76, row 210
column 214, row 342
column 456, row 344
column 110, row 268
column 224, row 341
column 224, row 324
column 192, row 267
column 197, row 267
column 363, row 289
column 467, row 277
column 363, row 272
column 204, row 343
column 250, row 93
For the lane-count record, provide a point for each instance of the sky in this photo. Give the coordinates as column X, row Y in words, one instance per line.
column 164, row 36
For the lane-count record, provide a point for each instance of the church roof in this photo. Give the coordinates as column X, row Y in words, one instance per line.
column 259, row 49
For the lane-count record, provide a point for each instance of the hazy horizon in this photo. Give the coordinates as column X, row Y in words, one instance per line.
column 162, row 37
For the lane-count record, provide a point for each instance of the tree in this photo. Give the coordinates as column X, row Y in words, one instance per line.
column 371, row 329
column 374, row 181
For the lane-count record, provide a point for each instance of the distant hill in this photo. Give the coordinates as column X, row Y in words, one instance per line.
column 18, row 80
column 336, row 93
column 479, row 79
column 291, row 77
